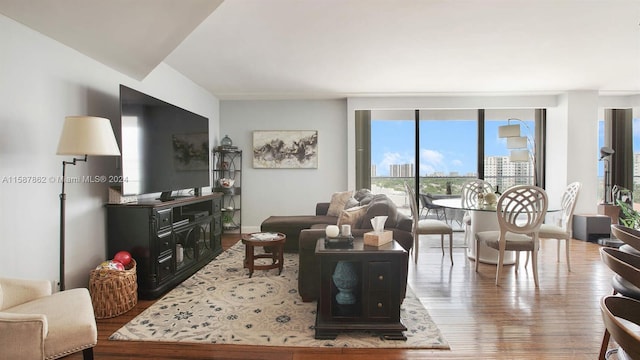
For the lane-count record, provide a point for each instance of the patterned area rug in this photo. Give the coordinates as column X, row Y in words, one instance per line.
column 220, row 304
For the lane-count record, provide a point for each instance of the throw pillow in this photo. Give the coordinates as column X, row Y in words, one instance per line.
column 338, row 201
column 352, row 216
column 352, row 202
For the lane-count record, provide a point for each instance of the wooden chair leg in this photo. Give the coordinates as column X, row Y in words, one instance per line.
column 442, row 243
column 477, row 253
column 416, row 245
column 566, row 250
column 534, row 265
column 87, row 354
column 604, row 345
column 451, row 247
column 499, row 267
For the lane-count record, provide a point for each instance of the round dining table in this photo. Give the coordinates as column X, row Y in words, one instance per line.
column 483, row 218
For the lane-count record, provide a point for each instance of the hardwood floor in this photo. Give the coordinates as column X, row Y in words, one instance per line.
column 560, row 320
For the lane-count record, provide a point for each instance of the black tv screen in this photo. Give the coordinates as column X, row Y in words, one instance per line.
column 164, row 147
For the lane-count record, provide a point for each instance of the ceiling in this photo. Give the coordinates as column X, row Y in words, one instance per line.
column 271, row 49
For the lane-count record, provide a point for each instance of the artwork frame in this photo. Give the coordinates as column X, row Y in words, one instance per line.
column 285, row 149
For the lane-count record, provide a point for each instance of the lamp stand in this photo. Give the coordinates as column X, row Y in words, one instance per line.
column 607, row 182
column 63, row 198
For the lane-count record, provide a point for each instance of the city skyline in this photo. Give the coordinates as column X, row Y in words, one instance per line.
column 447, row 146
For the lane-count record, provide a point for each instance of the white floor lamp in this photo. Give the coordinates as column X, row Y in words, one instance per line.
column 82, row 135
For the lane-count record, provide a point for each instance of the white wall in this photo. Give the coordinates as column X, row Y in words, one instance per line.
column 41, row 82
column 267, row 192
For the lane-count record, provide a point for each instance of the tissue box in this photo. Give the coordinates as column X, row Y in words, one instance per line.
column 376, row 239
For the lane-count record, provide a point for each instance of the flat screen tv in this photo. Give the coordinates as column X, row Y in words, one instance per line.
column 164, row 148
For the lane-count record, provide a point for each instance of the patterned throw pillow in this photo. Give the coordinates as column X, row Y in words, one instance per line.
column 338, row 201
column 352, row 216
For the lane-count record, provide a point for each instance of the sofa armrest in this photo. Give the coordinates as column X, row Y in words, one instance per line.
column 19, row 291
column 405, row 223
column 22, row 335
column 322, row 208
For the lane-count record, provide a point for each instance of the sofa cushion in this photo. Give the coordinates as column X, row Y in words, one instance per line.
column 338, row 201
column 380, row 205
column 352, row 216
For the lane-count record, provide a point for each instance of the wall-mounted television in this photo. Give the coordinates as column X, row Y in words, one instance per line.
column 164, row 148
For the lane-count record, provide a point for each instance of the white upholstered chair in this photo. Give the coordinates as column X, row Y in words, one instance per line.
column 469, row 199
column 564, row 231
column 427, row 227
column 520, row 210
column 36, row 324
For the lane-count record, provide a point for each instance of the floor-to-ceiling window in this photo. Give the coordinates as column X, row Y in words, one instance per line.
column 440, row 148
column 393, row 155
column 507, row 164
column 448, row 152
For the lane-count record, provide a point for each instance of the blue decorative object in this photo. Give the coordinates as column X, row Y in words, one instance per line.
column 226, row 142
column 346, row 279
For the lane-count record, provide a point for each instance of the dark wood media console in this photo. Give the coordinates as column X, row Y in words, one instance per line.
column 169, row 240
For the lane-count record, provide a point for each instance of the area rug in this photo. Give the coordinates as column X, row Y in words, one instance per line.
column 220, row 304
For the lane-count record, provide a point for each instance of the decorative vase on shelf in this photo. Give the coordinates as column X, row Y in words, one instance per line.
column 226, row 142
column 346, row 279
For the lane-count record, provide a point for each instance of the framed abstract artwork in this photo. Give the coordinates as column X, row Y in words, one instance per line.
column 285, row 149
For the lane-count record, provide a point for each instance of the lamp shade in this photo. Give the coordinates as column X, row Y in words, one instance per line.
column 519, row 156
column 605, row 152
column 517, row 142
column 87, row 135
column 506, row 131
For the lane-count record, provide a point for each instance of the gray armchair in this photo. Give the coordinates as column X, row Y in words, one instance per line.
column 36, row 324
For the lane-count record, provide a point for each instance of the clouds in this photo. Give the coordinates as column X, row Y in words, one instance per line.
column 392, row 158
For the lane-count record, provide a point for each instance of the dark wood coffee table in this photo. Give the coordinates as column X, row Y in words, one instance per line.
column 274, row 243
column 378, row 293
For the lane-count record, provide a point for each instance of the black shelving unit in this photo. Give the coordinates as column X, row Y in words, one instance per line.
column 227, row 164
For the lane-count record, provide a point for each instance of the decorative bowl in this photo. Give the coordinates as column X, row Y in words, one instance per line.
column 226, row 183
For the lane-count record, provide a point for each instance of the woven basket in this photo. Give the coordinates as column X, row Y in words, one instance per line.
column 113, row 292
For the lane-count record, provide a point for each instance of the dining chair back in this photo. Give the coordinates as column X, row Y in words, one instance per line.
column 426, row 227
column 626, row 282
column 520, row 211
column 630, row 237
column 427, row 203
column 564, row 229
column 469, row 199
column 621, row 317
column 470, row 190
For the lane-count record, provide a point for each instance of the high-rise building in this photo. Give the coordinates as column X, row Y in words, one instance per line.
column 374, row 170
column 401, row 170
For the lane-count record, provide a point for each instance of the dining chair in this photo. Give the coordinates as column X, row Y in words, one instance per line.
column 630, row 237
column 625, row 282
column 469, row 198
column 427, row 227
column 563, row 231
column 427, row 203
column 621, row 317
column 520, row 211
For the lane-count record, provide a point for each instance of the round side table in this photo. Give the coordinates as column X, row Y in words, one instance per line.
column 273, row 241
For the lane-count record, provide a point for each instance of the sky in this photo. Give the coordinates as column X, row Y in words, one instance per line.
column 445, row 146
